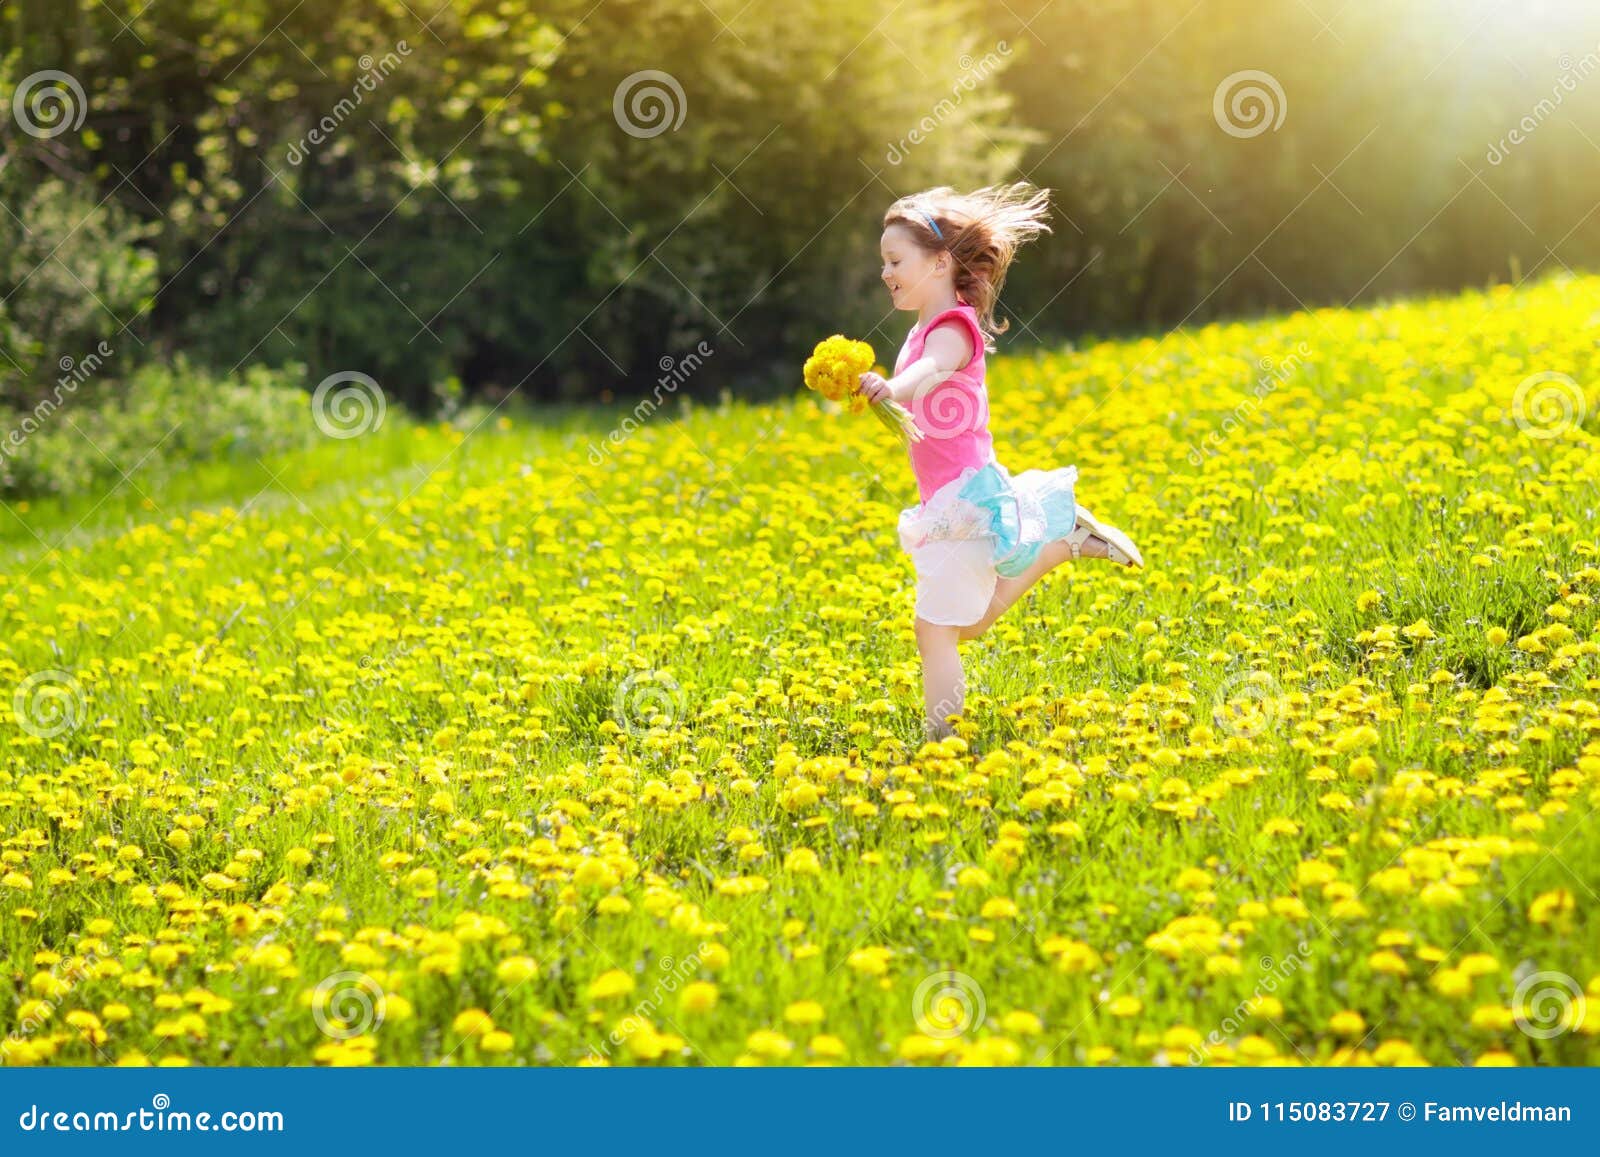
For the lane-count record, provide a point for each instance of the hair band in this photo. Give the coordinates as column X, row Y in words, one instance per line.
column 932, row 224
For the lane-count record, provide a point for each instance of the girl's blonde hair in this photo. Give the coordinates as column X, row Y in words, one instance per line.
column 980, row 230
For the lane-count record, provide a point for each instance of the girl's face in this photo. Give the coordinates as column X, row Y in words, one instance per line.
column 912, row 274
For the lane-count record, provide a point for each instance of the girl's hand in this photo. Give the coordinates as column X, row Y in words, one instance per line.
column 874, row 387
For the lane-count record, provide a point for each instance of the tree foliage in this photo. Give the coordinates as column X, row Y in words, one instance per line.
column 477, row 190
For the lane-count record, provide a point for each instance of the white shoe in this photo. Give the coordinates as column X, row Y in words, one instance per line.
column 1119, row 547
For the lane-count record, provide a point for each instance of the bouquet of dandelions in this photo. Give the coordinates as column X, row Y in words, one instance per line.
column 834, row 370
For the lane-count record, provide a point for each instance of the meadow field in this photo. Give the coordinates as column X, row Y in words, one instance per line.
column 597, row 741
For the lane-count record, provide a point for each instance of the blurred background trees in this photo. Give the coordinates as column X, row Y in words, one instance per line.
column 480, row 195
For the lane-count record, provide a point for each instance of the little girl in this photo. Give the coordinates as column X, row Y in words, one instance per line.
column 980, row 537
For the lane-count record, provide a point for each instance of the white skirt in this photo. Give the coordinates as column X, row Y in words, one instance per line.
column 979, row 526
column 955, row 580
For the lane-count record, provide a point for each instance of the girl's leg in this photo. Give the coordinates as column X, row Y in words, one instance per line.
column 1008, row 590
column 944, row 685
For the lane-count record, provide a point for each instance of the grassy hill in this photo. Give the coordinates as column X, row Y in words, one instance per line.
column 541, row 745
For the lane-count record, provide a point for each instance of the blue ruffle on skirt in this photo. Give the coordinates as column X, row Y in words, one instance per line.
column 1025, row 512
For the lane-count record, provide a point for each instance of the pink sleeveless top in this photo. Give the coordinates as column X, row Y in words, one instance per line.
column 953, row 414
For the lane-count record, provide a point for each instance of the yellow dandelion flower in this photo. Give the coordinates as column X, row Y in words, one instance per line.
column 1347, row 1023
column 610, row 985
column 472, row 1022
column 803, row 1012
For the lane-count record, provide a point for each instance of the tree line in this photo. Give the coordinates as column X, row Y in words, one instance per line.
column 562, row 198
